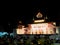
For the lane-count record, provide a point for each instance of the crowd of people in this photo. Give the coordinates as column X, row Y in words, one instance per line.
column 26, row 40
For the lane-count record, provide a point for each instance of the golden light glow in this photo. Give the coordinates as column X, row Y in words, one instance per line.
column 20, row 21
column 20, row 31
column 39, row 21
column 39, row 15
column 43, row 28
column 54, row 23
column 57, row 30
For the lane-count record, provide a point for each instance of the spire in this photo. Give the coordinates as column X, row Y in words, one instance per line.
column 20, row 21
column 33, row 18
column 46, row 17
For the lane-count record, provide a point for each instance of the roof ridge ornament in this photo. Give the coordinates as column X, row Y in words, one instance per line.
column 39, row 15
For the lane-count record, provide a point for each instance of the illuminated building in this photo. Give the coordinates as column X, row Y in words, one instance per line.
column 41, row 26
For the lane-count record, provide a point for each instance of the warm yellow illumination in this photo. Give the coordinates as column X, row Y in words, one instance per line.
column 39, row 15
column 39, row 20
column 20, row 21
column 54, row 23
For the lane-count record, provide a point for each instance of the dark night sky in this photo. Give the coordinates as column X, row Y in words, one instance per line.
column 12, row 12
